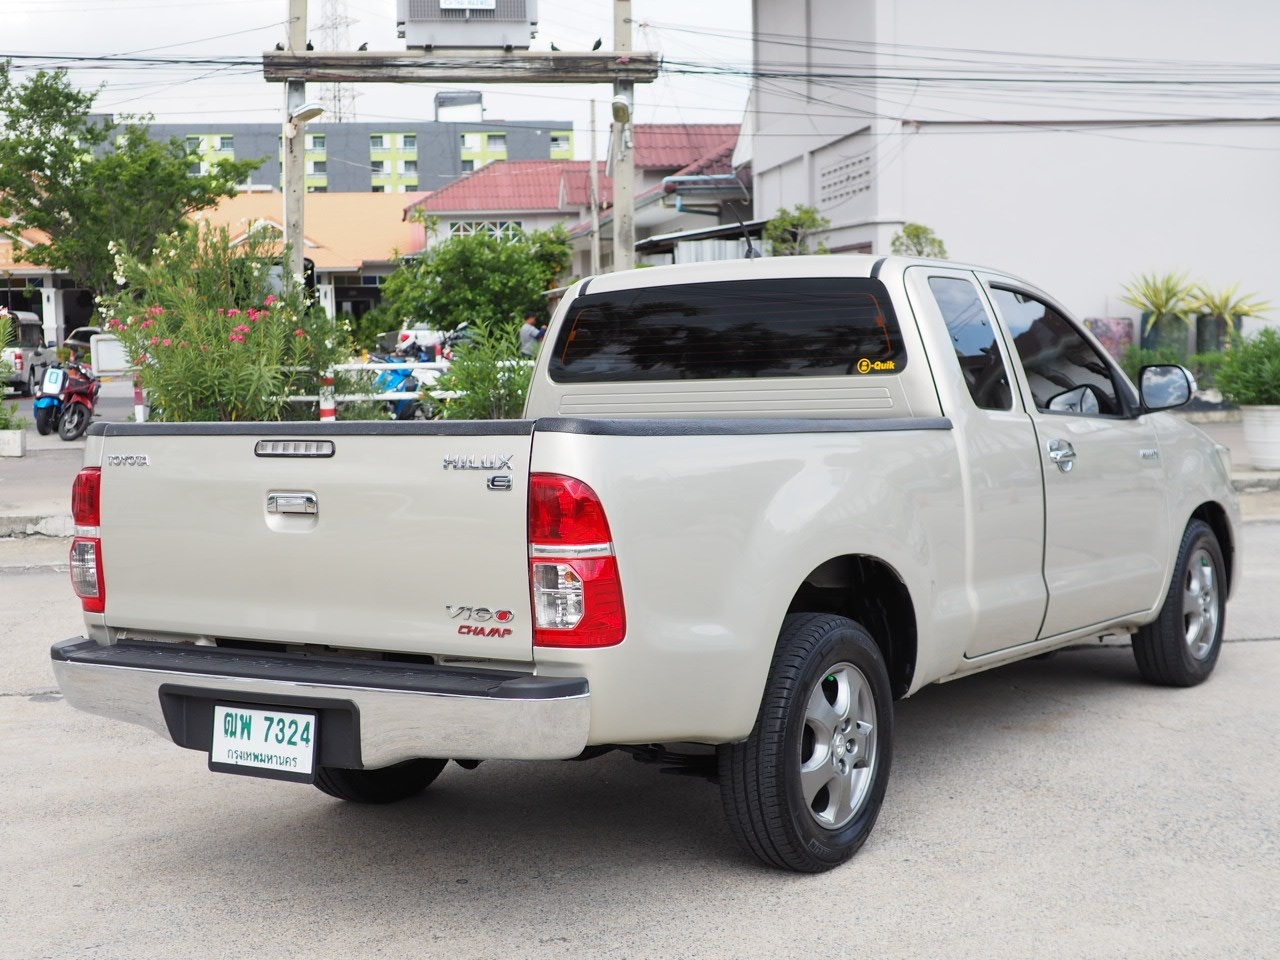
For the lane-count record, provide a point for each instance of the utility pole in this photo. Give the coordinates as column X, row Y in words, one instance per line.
column 295, row 162
column 595, row 198
column 624, row 164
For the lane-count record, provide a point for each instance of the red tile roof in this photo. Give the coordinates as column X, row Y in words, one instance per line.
column 671, row 146
column 519, row 185
column 512, row 186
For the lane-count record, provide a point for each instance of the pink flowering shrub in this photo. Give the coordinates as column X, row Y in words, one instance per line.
column 212, row 333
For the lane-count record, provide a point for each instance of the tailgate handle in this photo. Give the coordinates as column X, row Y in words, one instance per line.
column 304, row 503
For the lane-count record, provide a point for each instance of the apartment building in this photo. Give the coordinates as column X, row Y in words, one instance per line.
column 376, row 157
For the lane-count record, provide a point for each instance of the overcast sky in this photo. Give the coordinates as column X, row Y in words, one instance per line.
column 58, row 32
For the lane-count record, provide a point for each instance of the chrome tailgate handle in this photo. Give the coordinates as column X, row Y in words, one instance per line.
column 302, row 503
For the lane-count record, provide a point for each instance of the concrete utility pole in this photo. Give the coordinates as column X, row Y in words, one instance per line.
column 595, row 198
column 624, row 163
column 295, row 162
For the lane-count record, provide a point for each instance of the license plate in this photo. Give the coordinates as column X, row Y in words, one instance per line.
column 52, row 384
column 264, row 743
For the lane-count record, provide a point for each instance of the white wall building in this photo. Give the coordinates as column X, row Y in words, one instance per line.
column 1075, row 144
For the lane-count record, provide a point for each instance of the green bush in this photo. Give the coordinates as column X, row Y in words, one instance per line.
column 489, row 374
column 1203, row 366
column 1250, row 372
column 9, row 419
column 213, row 334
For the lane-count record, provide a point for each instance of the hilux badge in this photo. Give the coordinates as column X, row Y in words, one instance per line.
column 500, row 461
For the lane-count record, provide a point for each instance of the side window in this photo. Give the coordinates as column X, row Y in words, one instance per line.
column 974, row 339
column 1064, row 371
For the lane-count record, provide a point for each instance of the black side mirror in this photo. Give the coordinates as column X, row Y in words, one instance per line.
column 1165, row 386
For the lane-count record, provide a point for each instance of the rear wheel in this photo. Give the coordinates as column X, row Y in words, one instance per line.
column 1180, row 647
column 30, row 389
column 803, row 791
column 45, row 420
column 384, row 785
column 74, row 421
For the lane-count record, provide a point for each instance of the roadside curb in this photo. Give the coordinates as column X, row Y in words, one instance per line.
column 58, row 525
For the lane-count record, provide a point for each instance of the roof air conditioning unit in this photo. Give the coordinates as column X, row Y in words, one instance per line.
column 470, row 24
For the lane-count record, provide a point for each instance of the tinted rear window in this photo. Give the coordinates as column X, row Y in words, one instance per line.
column 802, row 327
column 30, row 335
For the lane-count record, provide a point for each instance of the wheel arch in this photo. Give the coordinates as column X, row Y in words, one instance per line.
column 868, row 590
column 1215, row 516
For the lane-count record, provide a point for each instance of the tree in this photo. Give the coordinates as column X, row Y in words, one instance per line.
column 87, row 182
column 789, row 232
column 917, row 240
column 479, row 278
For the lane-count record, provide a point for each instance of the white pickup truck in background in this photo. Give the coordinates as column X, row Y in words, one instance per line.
column 750, row 504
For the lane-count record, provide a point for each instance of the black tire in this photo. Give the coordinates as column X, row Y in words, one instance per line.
column 409, row 411
column 384, row 785
column 74, row 421
column 45, row 420
column 1180, row 647
column 793, row 819
column 29, row 388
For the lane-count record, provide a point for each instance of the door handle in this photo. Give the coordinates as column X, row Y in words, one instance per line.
column 1063, row 454
column 303, row 503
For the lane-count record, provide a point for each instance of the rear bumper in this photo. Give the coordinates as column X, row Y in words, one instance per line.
column 373, row 713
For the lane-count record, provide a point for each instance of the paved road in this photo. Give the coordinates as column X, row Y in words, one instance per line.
column 1052, row 809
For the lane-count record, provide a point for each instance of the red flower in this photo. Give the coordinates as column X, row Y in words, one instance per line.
column 300, row 333
column 167, row 342
column 233, row 313
column 271, row 298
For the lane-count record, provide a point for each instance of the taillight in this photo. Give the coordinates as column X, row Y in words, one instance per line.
column 19, row 362
column 86, row 548
column 573, row 573
column 86, row 497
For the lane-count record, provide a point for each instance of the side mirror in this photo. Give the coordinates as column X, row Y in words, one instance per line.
column 1165, row 386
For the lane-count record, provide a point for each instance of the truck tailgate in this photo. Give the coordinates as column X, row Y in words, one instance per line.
column 405, row 537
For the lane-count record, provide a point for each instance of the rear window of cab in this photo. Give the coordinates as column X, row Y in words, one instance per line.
column 798, row 327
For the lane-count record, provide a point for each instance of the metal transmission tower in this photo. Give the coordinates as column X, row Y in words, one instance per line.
column 333, row 32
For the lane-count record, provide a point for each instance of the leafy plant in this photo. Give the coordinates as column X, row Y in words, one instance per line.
column 917, row 240
column 1227, row 307
column 789, row 231
column 1165, row 302
column 1250, row 371
column 478, row 279
column 9, row 419
column 489, row 374
column 86, row 181
column 212, row 332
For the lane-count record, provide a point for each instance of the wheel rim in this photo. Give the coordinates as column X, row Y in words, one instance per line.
column 1200, row 604
column 838, row 746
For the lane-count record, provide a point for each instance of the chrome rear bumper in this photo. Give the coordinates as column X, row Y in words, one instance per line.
column 380, row 712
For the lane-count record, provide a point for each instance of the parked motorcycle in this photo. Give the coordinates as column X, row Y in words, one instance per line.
column 405, row 381
column 66, row 400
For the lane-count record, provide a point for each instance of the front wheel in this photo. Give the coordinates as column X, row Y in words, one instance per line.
column 1180, row 647
column 384, row 785
column 74, row 421
column 46, row 418
column 803, row 791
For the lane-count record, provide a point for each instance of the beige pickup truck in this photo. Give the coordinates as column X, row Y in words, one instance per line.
column 750, row 504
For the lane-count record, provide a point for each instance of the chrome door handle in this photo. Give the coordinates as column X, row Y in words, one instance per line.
column 1063, row 454
column 304, row 503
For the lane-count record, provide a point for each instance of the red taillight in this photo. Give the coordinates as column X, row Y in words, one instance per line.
column 86, row 550
column 573, row 574
column 19, row 362
column 86, row 496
